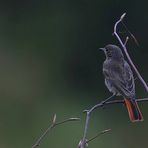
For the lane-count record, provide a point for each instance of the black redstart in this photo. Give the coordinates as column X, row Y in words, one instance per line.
column 120, row 81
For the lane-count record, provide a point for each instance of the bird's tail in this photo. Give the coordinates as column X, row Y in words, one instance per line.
column 133, row 110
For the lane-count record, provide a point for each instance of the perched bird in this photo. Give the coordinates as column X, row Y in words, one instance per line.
column 120, row 81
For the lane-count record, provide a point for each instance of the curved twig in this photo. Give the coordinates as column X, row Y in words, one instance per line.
column 126, row 53
column 99, row 134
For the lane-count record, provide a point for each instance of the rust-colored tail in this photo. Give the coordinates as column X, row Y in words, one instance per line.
column 133, row 110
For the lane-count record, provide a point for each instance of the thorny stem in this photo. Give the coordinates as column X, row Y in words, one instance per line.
column 125, row 50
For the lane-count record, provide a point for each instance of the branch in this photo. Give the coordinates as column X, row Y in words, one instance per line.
column 122, row 101
column 53, row 125
column 125, row 50
column 84, row 140
column 127, row 38
column 99, row 134
column 91, row 139
column 83, row 143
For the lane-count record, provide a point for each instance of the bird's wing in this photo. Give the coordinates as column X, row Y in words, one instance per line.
column 120, row 76
column 129, row 78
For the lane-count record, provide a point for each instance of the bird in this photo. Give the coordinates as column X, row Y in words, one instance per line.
column 120, row 81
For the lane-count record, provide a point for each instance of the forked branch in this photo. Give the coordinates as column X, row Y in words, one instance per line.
column 126, row 53
column 83, row 143
column 53, row 125
column 91, row 139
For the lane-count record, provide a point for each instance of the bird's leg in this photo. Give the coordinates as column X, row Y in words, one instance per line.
column 103, row 102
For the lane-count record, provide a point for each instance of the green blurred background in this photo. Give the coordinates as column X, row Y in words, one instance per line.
column 49, row 63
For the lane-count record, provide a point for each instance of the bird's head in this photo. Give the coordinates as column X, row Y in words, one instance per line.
column 113, row 52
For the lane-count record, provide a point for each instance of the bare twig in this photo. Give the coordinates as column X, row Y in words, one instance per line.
column 132, row 36
column 122, row 101
column 83, row 142
column 125, row 50
column 54, row 124
column 91, row 139
column 127, row 38
column 88, row 114
column 99, row 134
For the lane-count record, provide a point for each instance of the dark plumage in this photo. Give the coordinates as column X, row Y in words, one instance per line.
column 119, row 79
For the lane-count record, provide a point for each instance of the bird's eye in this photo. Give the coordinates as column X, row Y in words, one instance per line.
column 108, row 52
column 109, row 55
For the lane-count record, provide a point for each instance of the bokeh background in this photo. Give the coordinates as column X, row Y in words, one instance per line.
column 49, row 63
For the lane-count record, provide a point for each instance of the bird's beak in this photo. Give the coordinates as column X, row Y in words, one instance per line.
column 102, row 49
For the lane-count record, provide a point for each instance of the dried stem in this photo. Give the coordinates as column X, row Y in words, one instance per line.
column 99, row 134
column 54, row 124
column 125, row 50
column 127, row 38
column 132, row 36
column 83, row 143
